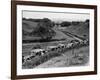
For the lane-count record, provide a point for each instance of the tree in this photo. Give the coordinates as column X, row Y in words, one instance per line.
column 87, row 22
column 65, row 24
column 44, row 29
column 75, row 22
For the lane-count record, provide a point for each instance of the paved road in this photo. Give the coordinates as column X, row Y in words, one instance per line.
column 73, row 36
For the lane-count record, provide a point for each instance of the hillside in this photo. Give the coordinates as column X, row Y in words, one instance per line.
column 81, row 29
column 61, row 35
column 66, row 58
column 28, row 27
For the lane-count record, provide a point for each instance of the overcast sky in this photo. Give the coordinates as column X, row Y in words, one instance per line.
column 56, row 16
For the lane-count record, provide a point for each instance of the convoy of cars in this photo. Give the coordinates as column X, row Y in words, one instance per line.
column 52, row 49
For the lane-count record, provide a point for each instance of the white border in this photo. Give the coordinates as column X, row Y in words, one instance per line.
column 21, row 71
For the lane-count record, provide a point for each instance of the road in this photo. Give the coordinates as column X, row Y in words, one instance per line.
column 73, row 36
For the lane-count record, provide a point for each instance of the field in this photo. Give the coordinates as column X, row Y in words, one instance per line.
column 78, row 56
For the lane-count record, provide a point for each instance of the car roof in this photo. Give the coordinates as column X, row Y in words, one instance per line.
column 51, row 46
column 37, row 50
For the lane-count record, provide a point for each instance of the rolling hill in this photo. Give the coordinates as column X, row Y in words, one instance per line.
column 29, row 26
column 81, row 29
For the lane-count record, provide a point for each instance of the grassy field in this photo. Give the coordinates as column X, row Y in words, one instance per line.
column 80, row 29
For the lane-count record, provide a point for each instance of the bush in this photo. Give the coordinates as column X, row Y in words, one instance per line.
column 37, row 47
column 75, row 22
column 64, row 24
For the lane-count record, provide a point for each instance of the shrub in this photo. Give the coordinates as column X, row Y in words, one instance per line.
column 64, row 24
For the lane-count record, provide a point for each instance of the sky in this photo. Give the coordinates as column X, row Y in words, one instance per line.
column 56, row 16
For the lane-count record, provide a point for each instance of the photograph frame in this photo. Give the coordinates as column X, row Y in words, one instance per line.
column 14, row 39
